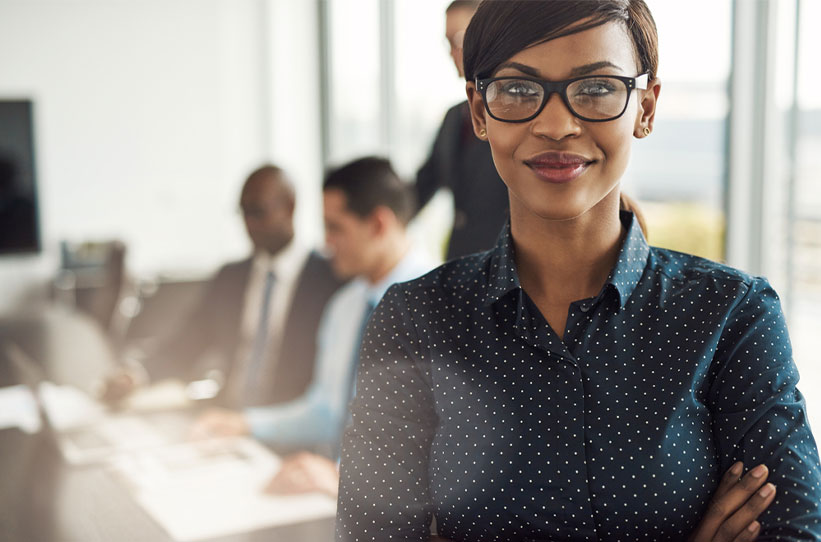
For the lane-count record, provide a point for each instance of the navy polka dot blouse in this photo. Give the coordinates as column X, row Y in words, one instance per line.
column 470, row 409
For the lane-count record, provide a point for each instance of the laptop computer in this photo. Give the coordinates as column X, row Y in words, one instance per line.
column 84, row 430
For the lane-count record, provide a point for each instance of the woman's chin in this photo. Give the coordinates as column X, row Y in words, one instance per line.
column 558, row 213
column 562, row 207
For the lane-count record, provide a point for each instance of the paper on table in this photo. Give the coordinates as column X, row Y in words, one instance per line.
column 18, row 408
column 88, row 432
column 188, row 517
column 163, row 395
column 68, row 407
column 207, row 489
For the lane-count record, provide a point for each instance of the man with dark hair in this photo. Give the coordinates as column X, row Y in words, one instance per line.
column 462, row 163
column 366, row 210
column 257, row 320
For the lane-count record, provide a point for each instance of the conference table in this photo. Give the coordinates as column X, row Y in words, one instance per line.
column 44, row 499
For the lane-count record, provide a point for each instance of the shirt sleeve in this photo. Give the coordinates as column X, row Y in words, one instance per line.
column 177, row 352
column 316, row 417
column 761, row 417
column 306, row 421
column 384, row 491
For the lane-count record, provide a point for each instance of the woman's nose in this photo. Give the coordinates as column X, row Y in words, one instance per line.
column 555, row 121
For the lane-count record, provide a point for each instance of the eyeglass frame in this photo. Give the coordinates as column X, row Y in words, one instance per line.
column 560, row 88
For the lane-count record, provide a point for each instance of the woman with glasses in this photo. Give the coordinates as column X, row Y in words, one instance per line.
column 574, row 383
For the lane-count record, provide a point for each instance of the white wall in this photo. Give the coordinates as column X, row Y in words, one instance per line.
column 148, row 115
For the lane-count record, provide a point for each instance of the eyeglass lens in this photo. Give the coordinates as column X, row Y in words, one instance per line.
column 597, row 98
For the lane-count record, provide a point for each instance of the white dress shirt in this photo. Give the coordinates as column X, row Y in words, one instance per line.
column 287, row 265
column 317, row 416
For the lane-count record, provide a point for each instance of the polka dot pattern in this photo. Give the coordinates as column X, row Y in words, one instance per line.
column 470, row 408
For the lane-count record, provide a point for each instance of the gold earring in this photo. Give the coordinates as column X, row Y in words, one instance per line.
column 646, row 131
column 482, row 133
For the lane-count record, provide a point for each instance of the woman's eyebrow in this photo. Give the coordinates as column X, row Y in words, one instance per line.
column 590, row 68
column 575, row 72
column 524, row 68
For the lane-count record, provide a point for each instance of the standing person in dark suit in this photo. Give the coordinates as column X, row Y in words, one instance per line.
column 257, row 320
column 462, row 163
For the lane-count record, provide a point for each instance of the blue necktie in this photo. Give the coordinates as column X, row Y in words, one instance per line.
column 258, row 348
column 370, row 304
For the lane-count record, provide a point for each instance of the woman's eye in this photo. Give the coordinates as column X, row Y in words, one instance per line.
column 595, row 88
column 519, row 89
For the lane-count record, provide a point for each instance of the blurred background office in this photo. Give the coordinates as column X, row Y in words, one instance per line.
column 148, row 114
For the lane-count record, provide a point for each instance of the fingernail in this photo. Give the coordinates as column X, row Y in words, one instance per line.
column 753, row 527
column 766, row 490
column 736, row 469
column 759, row 471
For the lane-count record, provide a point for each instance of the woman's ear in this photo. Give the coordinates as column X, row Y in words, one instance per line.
column 477, row 111
column 646, row 114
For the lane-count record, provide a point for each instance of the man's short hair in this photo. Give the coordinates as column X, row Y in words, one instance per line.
column 369, row 183
column 269, row 171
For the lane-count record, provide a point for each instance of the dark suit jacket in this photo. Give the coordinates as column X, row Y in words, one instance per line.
column 213, row 327
column 463, row 163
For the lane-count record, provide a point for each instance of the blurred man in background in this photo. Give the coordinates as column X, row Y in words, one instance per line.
column 462, row 163
column 366, row 211
column 256, row 322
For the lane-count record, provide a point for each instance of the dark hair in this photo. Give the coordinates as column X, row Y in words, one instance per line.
column 369, row 183
column 270, row 171
column 626, row 203
column 502, row 28
column 266, row 170
column 463, row 4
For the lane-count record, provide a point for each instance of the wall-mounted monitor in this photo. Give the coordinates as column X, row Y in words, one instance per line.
column 19, row 225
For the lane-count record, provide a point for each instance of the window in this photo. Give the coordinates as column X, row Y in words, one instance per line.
column 678, row 173
column 376, row 106
column 354, row 81
column 803, row 213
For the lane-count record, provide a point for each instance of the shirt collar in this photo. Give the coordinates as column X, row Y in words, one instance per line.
column 503, row 277
column 413, row 264
column 632, row 259
column 285, row 262
column 502, row 274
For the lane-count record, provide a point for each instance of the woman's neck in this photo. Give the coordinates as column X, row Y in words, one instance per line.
column 561, row 261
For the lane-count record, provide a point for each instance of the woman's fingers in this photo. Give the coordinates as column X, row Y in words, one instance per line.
column 734, row 506
column 723, row 506
column 750, row 533
column 730, row 478
column 736, row 524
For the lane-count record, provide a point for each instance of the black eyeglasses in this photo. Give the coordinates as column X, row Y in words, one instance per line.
column 594, row 98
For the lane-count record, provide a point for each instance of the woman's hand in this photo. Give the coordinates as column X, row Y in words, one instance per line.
column 736, row 504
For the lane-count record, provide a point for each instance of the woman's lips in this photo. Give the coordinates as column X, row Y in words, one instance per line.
column 557, row 167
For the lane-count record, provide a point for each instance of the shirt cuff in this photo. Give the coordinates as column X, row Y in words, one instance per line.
column 137, row 372
column 259, row 424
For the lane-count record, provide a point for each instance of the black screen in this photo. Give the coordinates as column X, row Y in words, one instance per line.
column 19, row 231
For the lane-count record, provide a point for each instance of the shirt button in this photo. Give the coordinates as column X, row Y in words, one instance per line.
column 585, row 308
